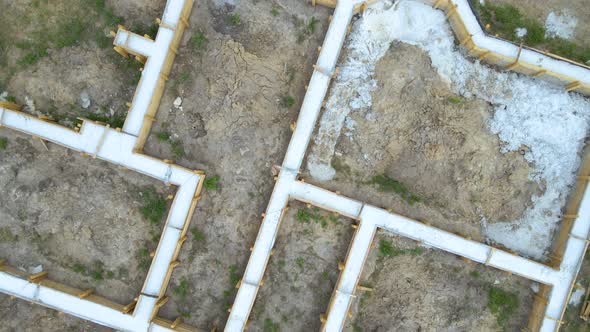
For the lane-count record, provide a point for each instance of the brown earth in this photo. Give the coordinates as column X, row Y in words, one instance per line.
column 420, row 289
column 79, row 218
column 17, row 315
column 436, row 145
column 303, row 271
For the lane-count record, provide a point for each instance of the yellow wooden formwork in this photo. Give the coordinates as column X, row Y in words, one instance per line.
column 348, row 253
column 45, row 282
column 509, row 63
column 166, row 68
column 180, row 327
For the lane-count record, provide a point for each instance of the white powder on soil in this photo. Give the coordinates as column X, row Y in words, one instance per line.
column 561, row 24
column 529, row 112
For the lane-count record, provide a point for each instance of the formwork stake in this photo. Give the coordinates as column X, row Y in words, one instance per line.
column 452, row 11
column 176, row 322
column 86, row 293
column 572, row 86
column 38, row 277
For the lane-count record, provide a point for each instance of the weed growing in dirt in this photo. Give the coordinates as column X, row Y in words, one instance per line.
column 144, row 259
column 274, row 11
column 211, row 183
column 456, row 100
column 142, row 29
column 198, row 235
column 177, row 148
column 311, row 25
column 199, row 41
column 387, row 184
column 115, row 121
column 287, row 101
column 270, row 326
column 387, row 249
column 182, row 289
column 502, row 304
column 300, row 261
column 474, row 274
column 234, row 19
column 3, row 143
column 314, row 214
column 185, row 314
column 163, row 136
column 6, row 235
column 153, row 206
column 503, row 20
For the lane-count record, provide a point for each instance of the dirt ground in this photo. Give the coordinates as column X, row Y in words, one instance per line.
column 573, row 322
column 420, row 289
column 241, row 84
column 303, row 271
column 576, row 8
column 57, row 53
column 240, row 72
column 448, row 166
column 79, row 218
column 17, row 315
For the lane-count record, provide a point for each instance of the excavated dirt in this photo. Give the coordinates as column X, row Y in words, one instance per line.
column 303, row 271
column 420, row 289
column 17, row 315
column 79, row 218
column 436, row 145
column 233, row 123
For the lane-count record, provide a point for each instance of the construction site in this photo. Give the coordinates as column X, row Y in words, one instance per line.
column 332, row 165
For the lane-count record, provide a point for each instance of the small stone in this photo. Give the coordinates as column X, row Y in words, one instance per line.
column 244, row 150
column 85, row 100
column 37, row 269
column 29, row 104
column 177, row 102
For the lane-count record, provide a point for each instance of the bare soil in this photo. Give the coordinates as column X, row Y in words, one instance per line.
column 233, row 123
column 303, row 271
column 435, row 145
column 17, row 315
column 421, row 289
column 79, row 218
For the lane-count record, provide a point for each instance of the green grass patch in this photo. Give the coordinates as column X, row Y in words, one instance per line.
column 153, row 205
column 182, row 289
column 387, row 184
column 270, row 326
column 6, row 235
column 211, row 183
column 234, row 19
column 502, row 304
column 456, row 100
column 199, row 41
column 287, row 101
column 163, row 136
column 387, row 249
column 275, row 11
column 177, row 148
column 312, row 214
column 198, row 235
column 504, row 19
column 3, row 143
column 300, row 261
column 474, row 274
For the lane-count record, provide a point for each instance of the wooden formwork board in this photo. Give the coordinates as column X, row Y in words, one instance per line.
column 180, row 327
column 464, row 38
column 537, row 314
column 348, row 253
column 165, row 71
